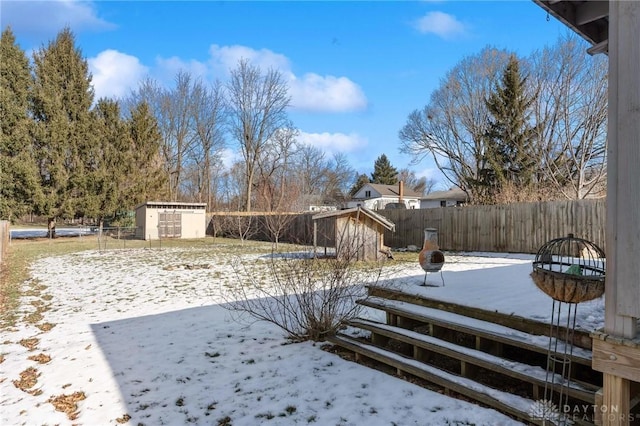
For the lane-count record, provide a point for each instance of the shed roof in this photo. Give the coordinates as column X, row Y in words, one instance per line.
column 171, row 204
column 375, row 216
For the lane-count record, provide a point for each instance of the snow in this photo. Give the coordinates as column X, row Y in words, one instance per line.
column 141, row 334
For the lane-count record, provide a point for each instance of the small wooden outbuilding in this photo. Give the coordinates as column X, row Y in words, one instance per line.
column 356, row 233
column 170, row 219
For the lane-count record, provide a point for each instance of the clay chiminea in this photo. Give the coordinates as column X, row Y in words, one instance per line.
column 431, row 259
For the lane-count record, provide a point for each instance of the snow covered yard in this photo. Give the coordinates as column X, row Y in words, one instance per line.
column 140, row 336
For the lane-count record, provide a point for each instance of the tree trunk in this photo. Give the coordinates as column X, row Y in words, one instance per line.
column 51, row 227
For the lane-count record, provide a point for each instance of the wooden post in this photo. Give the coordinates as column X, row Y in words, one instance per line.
column 315, row 238
column 622, row 290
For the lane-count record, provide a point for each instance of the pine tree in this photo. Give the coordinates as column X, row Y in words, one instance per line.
column 383, row 172
column 509, row 140
column 18, row 171
column 62, row 101
column 104, row 175
column 146, row 179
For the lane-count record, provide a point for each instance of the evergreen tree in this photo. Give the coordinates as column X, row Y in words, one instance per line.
column 62, row 101
column 104, row 176
column 383, row 172
column 18, row 171
column 146, row 179
column 361, row 181
column 509, row 139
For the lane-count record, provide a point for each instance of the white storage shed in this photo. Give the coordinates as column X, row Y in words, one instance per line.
column 162, row 219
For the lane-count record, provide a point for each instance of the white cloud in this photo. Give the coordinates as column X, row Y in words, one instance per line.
column 47, row 18
column 314, row 92
column 333, row 142
column 311, row 92
column 168, row 68
column 441, row 24
column 229, row 157
column 225, row 58
column 115, row 73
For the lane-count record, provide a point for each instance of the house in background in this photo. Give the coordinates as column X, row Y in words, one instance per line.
column 452, row 197
column 375, row 196
column 158, row 219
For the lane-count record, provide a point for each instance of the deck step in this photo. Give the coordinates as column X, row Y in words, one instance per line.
column 475, row 327
column 514, row 405
column 534, row 375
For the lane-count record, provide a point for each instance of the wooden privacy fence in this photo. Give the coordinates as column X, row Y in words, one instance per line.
column 512, row 228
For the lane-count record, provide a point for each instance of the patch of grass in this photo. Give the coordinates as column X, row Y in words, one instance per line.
column 45, row 326
column 41, row 358
column 125, row 418
column 30, row 343
column 224, row 421
column 28, row 379
column 290, row 409
column 33, row 317
column 68, row 404
column 267, row 416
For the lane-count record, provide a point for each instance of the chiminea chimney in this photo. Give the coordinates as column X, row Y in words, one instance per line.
column 400, row 191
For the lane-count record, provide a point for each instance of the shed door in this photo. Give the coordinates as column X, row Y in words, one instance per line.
column 170, row 225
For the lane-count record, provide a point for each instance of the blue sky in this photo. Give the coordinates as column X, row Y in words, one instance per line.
column 355, row 69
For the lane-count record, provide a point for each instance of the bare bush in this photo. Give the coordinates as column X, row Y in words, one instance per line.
column 234, row 225
column 306, row 296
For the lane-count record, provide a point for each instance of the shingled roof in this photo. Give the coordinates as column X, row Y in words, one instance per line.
column 394, row 190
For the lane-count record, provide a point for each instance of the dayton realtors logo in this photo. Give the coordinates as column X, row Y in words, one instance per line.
column 544, row 410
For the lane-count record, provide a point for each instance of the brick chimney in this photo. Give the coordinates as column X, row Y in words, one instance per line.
column 400, row 191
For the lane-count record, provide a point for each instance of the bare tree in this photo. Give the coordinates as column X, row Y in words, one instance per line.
column 573, row 109
column 257, row 104
column 340, row 176
column 209, row 117
column 277, row 193
column 421, row 185
column 173, row 109
column 451, row 127
column 232, row 187
column 310, row 167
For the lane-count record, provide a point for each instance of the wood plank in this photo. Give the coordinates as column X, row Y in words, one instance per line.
column 509, row 337
column 506, row 403
column 472, row 357
column 615, row 402
column 617, row 359
column 623, row 196
column 581, row 338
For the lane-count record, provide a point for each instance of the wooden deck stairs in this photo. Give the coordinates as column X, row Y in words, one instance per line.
column 499, row 364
